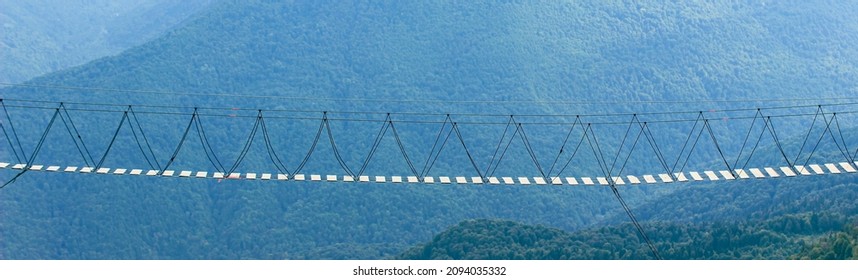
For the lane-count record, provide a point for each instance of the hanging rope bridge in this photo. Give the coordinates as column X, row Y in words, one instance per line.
column 610, row 165
column 580, row 138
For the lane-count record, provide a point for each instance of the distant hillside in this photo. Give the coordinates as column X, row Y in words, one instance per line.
column 397, row 53
column 42, row 36
column 776, row 238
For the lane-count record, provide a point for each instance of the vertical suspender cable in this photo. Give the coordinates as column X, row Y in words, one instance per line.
column 434, row 145
column 112, row 140
column 12, row 128
column 600, row 157
column 497, row 149
column 402, row 149
column 35, row 151
column 312, row 146
column 76, row 132
column 339, row 158
column 562, row 147
column 9, row 139
column 181, row 143
column 272, row 153
column 132, row 120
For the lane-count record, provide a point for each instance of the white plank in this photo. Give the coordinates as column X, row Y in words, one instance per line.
column 234, row 175
column 493, row 180
column 152, row 172
column 428, row 180
column 444, row 180
column 602, row 180
column 4, row 164
column 347, row 178
column 742, row 174
column 771, row 172
column 185, row 173
column 523, row 181
column 396, row 179
column 649, row 179
column 461, row 180
column 571, row 181
column 203, row 174
column 103, row 170
column 619, row 181
column 680, row 177
column 331, row 178
column 633, row 179
column 587, row 180
column 665, row 178
column 265, row 176
column 711, row 175
column 413, row 179
column 166, row 173
column 802, row 170
column 787, row 171
column 363, row 178
column 380, row 179
column 36, row 167
column 19, row 166
column 250, row 176
column 757, row 173
column 695, row 176
column 508, row 181
column 53, row 168
column 832, row 168
column 476, row 180
column 282, row 177
column 539, row 180
column 816, row 169
column 70, row 169
column 136, row 171
column 556, row 181
column 848, row 167
column 315, row 177
column 726, row 174
column 120, row 171
column 299, row 177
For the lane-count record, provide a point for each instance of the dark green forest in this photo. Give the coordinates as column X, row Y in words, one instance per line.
column 506, row 58
column 841, row 245
column 800, row 236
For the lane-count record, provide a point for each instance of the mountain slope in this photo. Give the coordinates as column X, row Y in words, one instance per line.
column 39, row 37
column 776, row 238
column 842, row 245
column 390, row 52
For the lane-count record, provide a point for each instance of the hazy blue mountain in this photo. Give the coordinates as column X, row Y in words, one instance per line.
column 44, row 36
column 397, row 53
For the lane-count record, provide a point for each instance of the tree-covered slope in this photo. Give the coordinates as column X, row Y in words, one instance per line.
column 776, row 238
column 394, row 53
column 39, row 37
column 498, row 51
column 841, row 245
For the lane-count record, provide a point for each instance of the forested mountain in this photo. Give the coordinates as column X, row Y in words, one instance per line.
column 518, row 57
column 777, row 238
column 42, row 36
column 842, row 245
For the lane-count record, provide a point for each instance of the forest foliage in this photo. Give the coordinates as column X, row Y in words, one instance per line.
column 446, row 51
column 804, row 236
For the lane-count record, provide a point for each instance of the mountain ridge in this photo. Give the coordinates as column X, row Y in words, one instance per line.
column 400, row 50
